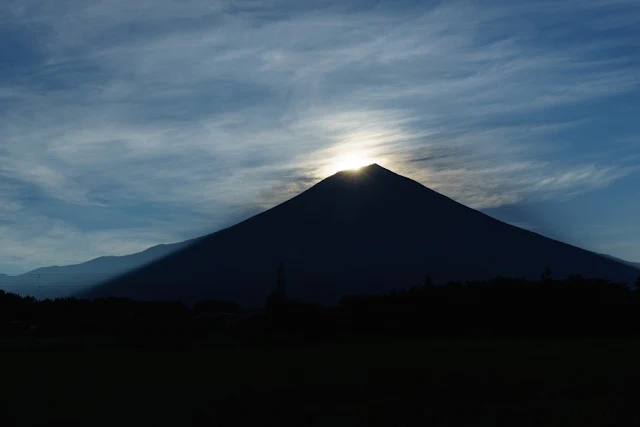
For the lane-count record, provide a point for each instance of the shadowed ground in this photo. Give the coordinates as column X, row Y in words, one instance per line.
column 369, row 381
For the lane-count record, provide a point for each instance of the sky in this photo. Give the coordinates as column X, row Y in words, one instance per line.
column 126, row 124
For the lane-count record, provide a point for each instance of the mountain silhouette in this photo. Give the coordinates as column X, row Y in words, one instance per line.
column 356, row 232
column 63, row 281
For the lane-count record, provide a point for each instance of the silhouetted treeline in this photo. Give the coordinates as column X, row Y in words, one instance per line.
column 120, row 317
column 502, row 306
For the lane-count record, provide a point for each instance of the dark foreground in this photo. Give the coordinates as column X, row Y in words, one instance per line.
column 365, row 380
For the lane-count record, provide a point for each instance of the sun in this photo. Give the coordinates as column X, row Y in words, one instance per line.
column 351, row 162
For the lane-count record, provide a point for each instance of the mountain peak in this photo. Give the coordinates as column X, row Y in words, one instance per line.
column 372, row 168
column 369, row 173
column 373, row 180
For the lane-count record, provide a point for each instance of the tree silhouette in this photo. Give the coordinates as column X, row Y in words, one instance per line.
column 547, row 275
column 637, row 283
column 428, row 282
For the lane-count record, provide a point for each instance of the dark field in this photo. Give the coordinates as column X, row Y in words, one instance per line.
column 365, row 381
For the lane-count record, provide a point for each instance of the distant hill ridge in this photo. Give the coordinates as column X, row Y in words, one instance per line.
column 58, row 281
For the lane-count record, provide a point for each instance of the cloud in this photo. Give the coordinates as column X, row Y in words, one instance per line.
column 218, row 108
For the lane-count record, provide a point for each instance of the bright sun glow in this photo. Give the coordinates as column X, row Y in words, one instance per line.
column 353, row 162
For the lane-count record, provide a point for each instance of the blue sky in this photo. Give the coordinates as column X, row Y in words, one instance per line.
column 125, row 124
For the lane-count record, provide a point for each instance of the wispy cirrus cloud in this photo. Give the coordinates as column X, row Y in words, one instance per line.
column 216, row 108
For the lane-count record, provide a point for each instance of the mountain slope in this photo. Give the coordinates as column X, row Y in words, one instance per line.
column 629, row 263
column 62, row 281
column 356, row 232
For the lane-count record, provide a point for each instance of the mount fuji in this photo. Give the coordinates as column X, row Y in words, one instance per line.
column 356, row 232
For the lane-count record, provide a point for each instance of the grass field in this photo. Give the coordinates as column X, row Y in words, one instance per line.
column 368, row 381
